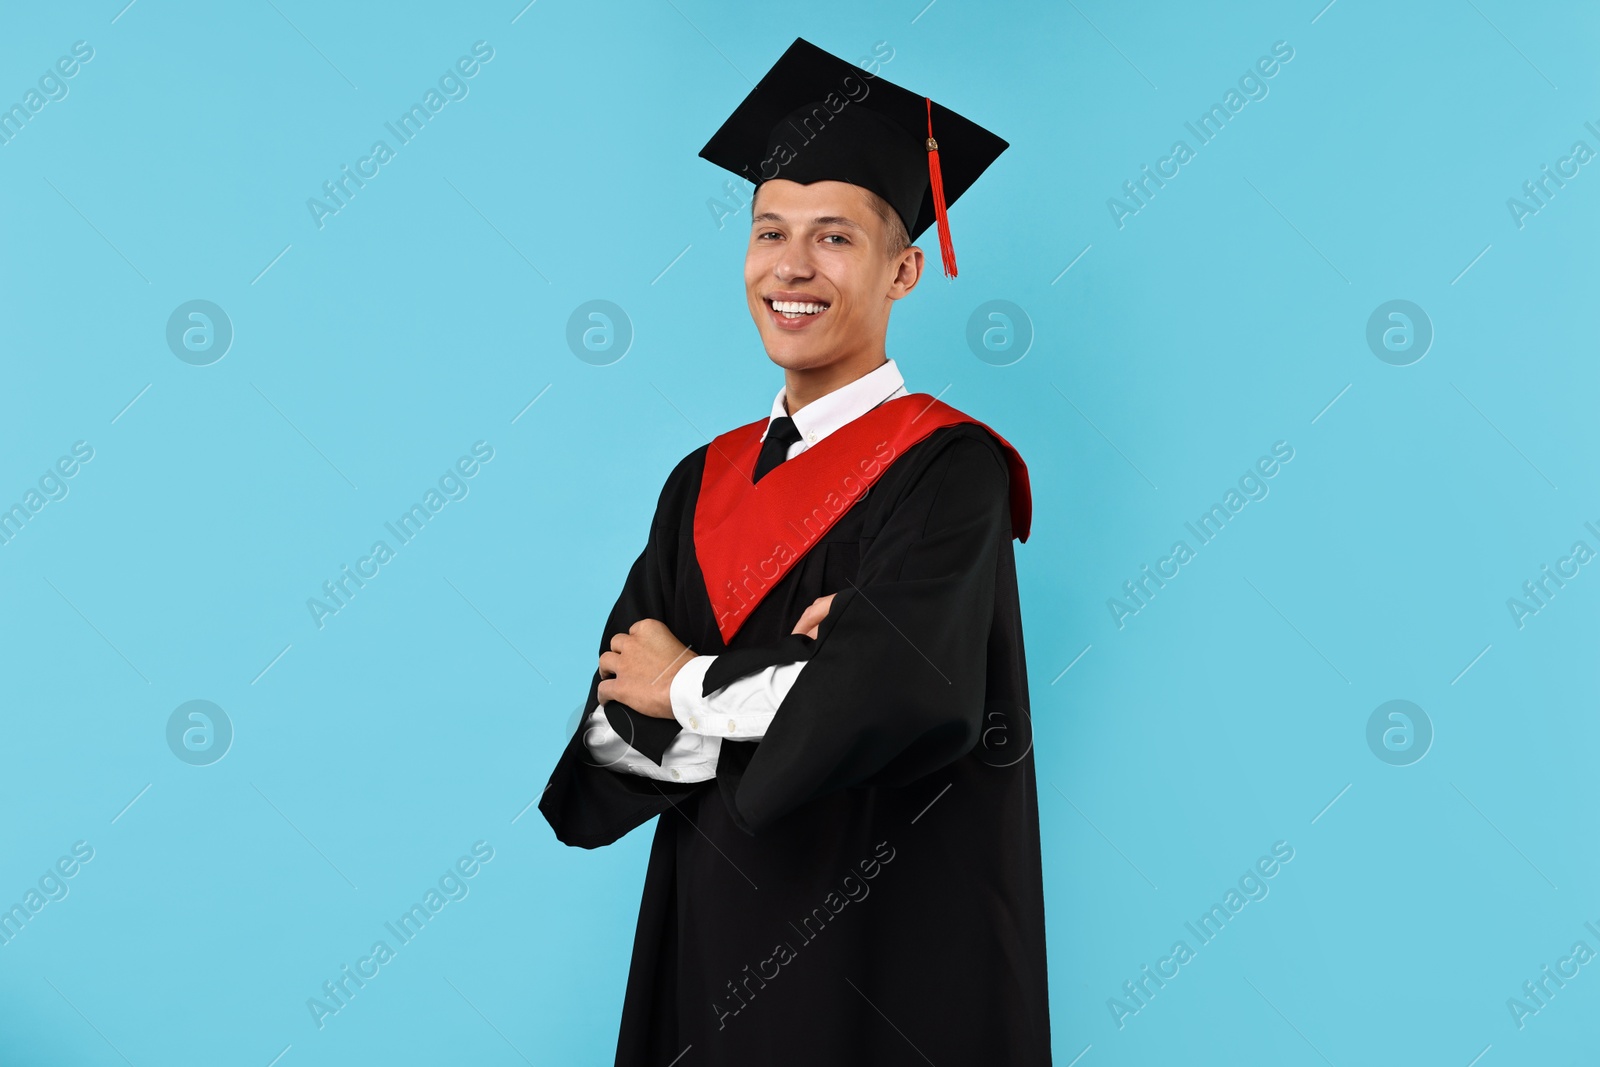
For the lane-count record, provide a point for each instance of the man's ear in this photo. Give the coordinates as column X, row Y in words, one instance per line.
column 908, row 271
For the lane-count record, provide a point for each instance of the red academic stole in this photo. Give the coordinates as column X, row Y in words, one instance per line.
column 748, row 535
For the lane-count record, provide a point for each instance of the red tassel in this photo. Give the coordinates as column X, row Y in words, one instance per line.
column 947, row 251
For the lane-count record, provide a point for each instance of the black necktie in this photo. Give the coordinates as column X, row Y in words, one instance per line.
column 775, row 449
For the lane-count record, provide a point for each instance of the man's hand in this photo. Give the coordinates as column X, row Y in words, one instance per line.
column 812, row 617
column 640, row 667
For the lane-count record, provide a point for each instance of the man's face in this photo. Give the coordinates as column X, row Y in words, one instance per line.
column 822, row 246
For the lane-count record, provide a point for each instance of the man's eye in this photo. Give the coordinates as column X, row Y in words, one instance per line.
column 840, row 236
column 764, row 236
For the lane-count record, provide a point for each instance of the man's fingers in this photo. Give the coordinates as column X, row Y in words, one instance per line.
column 609, row 663
column 808, row 621
column 618, row 640
column 812, row 617
column 607, row 692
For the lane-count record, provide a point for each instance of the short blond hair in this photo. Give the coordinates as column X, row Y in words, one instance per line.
column 893, row 225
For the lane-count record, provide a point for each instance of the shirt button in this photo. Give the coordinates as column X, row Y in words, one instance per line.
column 812, row 437
column 675, row 773
column 732, row 726
column 694, row 723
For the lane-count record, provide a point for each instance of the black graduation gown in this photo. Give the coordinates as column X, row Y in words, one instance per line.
column 863, row 885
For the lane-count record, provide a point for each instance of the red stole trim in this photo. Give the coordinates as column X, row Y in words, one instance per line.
column 747, row 535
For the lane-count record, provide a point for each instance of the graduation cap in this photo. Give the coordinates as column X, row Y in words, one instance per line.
column 815, row 117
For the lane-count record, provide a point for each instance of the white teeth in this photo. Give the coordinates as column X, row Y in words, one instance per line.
column 791, row 307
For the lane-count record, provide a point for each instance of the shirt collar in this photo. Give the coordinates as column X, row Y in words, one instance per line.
column 848, row 402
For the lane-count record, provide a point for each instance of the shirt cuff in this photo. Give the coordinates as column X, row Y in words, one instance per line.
column 689, row 758
column 688, row 706
column 742, row 710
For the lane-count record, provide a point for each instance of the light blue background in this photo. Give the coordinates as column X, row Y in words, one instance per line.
column 1223, row 317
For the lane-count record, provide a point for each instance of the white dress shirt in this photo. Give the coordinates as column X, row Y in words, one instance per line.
column 743, row 709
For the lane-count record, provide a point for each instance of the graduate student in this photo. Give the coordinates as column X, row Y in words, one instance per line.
column 814, row 677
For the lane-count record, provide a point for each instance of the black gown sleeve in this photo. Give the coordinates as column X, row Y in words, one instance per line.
column 733, row 665
column 896, row 680
column 589, row 805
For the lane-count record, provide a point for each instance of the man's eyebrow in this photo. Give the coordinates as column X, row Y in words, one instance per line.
column 820, row 220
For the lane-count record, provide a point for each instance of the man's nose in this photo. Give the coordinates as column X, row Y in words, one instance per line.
column 796, row 262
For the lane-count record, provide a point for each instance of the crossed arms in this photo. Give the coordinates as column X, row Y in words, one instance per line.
column 894, row 684
column 650, row 670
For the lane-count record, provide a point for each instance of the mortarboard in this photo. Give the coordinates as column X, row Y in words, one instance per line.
column 815, row 117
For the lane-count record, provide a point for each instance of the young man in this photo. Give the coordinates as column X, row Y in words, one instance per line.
column 814, row 674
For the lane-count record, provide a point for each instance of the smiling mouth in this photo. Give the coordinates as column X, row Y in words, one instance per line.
column 795, row 311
